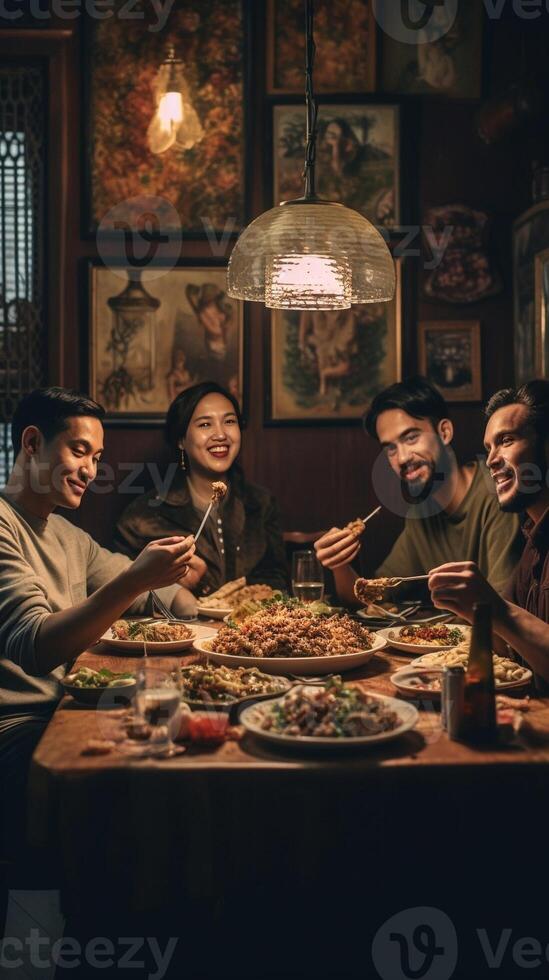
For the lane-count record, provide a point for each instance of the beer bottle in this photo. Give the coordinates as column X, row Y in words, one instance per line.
column 479, row 722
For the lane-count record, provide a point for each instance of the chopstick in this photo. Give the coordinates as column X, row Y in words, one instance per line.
column 373, row 514
column 204, row 519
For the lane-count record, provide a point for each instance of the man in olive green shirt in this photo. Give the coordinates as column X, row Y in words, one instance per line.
column 452, row 512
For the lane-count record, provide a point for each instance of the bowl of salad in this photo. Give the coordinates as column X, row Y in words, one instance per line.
column 103, row 687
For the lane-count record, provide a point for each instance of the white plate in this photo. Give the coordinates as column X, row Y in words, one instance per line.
column 297, row 665
column 506, row 685
column 251, row 719
column 213, row 612
column 390, row 634
column 199, row 633
column 401, row 680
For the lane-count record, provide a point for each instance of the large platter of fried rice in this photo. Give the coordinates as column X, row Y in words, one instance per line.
column 288, row 638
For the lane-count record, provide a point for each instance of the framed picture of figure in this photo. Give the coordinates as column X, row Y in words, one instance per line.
column 155, row 332
column 197, row 179
column 324, row 367
column 439, row 51
column 450, row 357
column 530, row 240
column 357, row 162
column 345, row 38
column 542, row 313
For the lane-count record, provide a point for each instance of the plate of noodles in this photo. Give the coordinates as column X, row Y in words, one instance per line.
column 425, row 638
column 286, row 637
column 160, row 635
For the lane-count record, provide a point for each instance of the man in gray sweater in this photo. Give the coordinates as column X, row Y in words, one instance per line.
column 60, row 591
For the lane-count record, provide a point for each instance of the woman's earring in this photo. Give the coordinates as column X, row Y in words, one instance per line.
column 182, row 459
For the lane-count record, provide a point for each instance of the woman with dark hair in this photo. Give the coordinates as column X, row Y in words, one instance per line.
column 242, row 536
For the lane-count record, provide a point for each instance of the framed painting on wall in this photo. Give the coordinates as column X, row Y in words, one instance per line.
column 542, row 313
column 155, row 332
column 357, row 160
column 443, row 57
column 530, row 239
column 199, row 189
column 324, row 367
column 450, row 357
column 345, row 38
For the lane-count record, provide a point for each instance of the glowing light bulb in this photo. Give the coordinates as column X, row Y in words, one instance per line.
column 175, row 122
column 308, row 282
column 170, row 111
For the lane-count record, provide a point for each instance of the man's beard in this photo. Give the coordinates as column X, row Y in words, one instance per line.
column 418, row 491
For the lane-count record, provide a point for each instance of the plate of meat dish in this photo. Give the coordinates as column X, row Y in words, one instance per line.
column 330, row 716
column 220, row 604
column 286, row 637
column 161, row 635
column 420, row 639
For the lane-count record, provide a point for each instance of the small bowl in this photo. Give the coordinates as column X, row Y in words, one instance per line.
column 117, row 696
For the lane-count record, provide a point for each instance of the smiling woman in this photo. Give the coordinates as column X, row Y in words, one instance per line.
column 241, row 537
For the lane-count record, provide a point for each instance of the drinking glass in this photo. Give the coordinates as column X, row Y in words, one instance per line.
column 307, row 576
column 156, row 717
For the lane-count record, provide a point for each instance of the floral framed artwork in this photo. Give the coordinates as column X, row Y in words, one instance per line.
column 450, row 356
column 198, row 190
column 325, row 366
column 446, row 59
column 345, row 37
column 157, row 331
column 357, row 157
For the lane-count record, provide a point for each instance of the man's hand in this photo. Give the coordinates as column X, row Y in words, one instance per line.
column 337, row 548
column 457, row 586
column 161, row 563
column 194, row 571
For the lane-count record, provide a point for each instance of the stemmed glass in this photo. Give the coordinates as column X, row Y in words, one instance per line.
column 307, row 576
column 157, row 715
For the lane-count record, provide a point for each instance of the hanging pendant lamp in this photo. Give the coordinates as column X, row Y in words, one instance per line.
column 175, row 121
column 311, row 254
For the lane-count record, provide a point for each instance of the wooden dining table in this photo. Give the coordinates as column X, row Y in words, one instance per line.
column 323, row 845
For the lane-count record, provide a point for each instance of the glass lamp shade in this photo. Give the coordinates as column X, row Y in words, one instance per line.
column 175, row 122
column 316, row 282
column 311, row 254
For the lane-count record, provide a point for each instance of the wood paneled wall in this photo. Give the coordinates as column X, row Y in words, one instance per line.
column 322, row 476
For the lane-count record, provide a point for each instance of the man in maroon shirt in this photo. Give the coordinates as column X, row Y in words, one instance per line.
column 517, row 443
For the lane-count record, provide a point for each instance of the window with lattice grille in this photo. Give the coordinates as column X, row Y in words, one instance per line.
column 22, row 171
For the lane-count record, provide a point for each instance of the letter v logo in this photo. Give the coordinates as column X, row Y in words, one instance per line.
column 415, row 21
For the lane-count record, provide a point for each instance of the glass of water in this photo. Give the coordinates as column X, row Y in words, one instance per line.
column 157, row 715
column 307, row 576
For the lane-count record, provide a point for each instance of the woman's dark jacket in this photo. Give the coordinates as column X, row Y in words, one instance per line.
column 251, row 531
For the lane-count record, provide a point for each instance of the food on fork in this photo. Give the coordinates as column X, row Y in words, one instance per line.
column 355, row 528
column 372, row 589
column 219, row 490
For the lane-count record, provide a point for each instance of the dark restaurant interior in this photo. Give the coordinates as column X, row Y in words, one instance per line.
column 215, row 733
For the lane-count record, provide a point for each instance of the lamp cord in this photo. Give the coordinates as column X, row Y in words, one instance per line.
column 310, row 102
